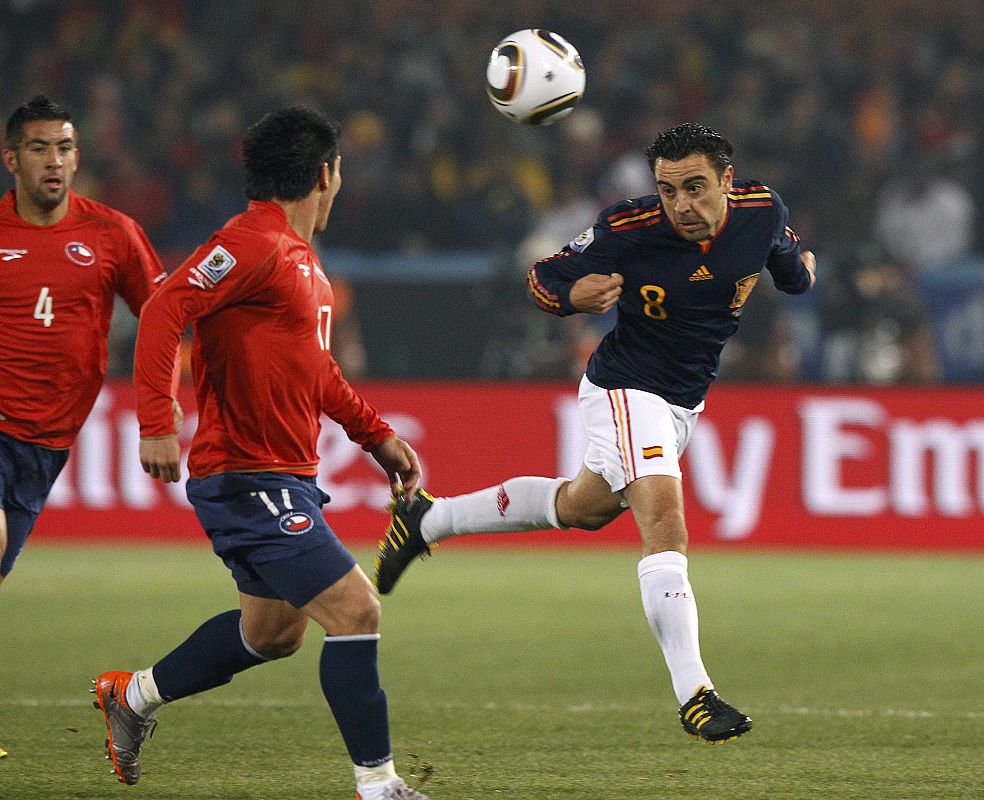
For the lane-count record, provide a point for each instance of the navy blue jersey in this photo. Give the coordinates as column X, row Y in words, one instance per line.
column 680, row 300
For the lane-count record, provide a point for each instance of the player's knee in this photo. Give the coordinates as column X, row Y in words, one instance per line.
column 359, row 613
column 280, row 645
column 595, row 522
column 586, row 505
column 350, row 607
column 368, row 614
column 284, row 647
column 585, row 518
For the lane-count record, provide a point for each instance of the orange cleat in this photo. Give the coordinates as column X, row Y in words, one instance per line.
column 125, row 728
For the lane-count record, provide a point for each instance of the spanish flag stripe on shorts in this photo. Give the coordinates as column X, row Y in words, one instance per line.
column 616, row 413
column 628, row 432
column 623, row 431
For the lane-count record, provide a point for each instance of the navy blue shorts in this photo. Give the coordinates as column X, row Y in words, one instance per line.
column 27, row 473
column 268, row 529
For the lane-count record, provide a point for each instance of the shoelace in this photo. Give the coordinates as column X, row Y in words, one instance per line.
column 712, row 702
column 147, row 728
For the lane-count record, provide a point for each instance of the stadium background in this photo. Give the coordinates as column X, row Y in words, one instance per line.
column 848, row 420
column 848, row 417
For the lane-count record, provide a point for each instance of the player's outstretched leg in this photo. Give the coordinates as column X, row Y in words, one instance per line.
column 403, row 542
column 706, row 716
column 126, row 730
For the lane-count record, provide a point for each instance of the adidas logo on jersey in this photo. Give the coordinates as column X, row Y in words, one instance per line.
column 701, row 274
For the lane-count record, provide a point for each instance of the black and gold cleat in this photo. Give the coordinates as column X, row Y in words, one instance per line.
column 403, row 542
column 707, row 717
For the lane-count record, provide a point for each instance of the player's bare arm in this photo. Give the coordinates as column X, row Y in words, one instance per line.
column 400, row 463
column 160, row 457
column 810, row 262
column 596, row 294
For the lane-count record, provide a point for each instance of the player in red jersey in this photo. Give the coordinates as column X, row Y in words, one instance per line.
column 62, row 260
column 261, row 308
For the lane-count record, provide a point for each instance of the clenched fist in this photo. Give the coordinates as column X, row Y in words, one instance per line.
column 596, row 294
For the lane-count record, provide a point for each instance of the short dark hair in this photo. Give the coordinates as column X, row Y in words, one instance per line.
column 39, row 107
column 283, row 153
column 689, row 138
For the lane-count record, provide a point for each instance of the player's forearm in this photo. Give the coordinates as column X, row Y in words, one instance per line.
column 549, row 294
column 361, row 423
column 155, row 362
column 343, row 405
column 791, row 273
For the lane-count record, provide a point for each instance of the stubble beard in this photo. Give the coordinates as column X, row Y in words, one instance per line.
column 47, row 201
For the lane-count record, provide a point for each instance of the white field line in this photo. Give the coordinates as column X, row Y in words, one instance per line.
column 575, row 708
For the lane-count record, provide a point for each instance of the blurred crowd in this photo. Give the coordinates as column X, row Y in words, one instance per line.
column 865, row 116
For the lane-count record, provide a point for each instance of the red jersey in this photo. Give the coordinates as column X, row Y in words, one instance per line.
column 263, row 371
column 57, row 284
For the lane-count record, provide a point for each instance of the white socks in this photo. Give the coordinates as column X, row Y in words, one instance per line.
column 668, row 601
column 518, row 504
column 142, row 695
column 530, row 503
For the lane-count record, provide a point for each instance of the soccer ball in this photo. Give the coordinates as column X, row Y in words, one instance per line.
column 534, row 77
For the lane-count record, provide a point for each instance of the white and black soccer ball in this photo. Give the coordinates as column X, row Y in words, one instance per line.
column 534, row 77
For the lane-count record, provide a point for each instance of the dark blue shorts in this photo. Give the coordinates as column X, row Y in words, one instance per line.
column 268, row 529
column 27, row 473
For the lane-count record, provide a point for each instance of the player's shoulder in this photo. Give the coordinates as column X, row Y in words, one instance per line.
column 753, row 194
column 628, row 224
column 92, row 211
column 252, row 237
column 260, row 226
column 632, row 214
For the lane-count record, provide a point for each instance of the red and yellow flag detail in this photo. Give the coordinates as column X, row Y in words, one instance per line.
column 541, row 295
column 750, row 196
column 640, row 219
column 656, row 451
column 623, row 431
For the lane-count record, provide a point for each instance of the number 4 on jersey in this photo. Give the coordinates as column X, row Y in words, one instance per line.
column 42, row 309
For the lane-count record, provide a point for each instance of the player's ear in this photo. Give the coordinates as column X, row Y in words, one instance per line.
column 728, row 178
column 10, row 160
column 324, row 176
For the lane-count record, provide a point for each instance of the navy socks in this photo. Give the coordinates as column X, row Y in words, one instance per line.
column 350, row 681
column 215, row 652
column 210, row 657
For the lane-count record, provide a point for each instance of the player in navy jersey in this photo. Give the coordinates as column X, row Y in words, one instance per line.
column 679, row 265
column 261, row 309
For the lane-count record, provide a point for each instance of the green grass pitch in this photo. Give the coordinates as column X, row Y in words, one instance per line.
column 520, row 674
